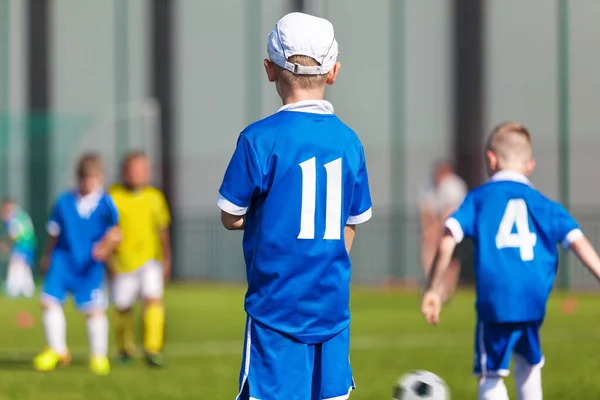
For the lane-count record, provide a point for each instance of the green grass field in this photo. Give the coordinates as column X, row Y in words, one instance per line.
column 205, row 328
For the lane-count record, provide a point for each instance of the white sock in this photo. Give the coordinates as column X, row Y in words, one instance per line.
column 97, row 326
column 27, row 285
column 528, row 379
column 492, row 388
column 12, row 284
column 55, row 327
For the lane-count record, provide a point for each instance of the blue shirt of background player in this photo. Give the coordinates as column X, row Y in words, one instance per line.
column 79, row 222
column 299, row 176
column 515, row 230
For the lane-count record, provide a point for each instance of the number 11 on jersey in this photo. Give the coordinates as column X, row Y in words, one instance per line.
column 333, row 199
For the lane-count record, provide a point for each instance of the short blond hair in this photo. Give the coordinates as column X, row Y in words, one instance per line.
column 511, row 142
column 289, row 79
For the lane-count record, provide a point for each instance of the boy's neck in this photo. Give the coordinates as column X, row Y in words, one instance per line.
column 518, row 171
column 133, row 188
column 296, row 96
column 84, row 193
column 514, row 170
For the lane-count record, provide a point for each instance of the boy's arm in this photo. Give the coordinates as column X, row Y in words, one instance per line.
column 163, row 218
column 103, row 250
column 584, row 250
column 457, row 227
column 431, row 304
column 165, row 242
column 445, row 251
column 233, row 222
column 241, row 183
column 50, row 244
column 111, row 239
column 6, row 242
column 53, row 228
column 349, row 232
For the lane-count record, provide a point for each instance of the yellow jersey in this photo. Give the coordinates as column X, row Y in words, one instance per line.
column 142, row 215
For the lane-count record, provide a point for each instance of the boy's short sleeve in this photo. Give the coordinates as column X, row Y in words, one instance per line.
column 54, row 224
column 163, row 217
column 462, row 222
column 566, row 229
column 113, row 212
column 242, row 181
column 360, row 209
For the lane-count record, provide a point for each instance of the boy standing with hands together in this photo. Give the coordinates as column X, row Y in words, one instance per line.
column 297, row 185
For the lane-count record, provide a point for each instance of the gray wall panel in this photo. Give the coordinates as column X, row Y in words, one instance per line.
column 584, row 101
column 84, row 78
column 82, row 83
column 17, row 99
column 272, row 11
column 210, row 107
column 428, row 90
column 521, row 77
column 362, row 91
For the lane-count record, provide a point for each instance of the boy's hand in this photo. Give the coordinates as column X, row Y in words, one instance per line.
column 431, row 306
column 99, row 252
column 103, row 250
column 113, row 236
column 166, row 270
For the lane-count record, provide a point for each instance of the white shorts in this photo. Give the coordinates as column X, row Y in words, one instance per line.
column 145, row 282
column 19, row 278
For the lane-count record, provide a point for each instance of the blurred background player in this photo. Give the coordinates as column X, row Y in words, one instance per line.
column 82, row 234
column 20, row 243
column 440, row 196
column 297, row 185
column 515, row 230
column 142, row 261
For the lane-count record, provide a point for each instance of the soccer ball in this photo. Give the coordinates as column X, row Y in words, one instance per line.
column 421, row 385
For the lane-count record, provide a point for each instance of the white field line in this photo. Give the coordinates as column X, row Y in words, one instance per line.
column 358, row 343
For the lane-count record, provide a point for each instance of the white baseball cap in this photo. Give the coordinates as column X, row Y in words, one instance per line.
column 306, row 35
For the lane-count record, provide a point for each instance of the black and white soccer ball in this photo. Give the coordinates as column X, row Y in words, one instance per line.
column 419, row 385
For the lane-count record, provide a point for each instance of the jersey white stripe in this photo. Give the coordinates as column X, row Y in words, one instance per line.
column 454, row 227
column 359, row 219
column 333, row 207
column 229, row 207
column 309, row 195
column 571, row 237
column 53, row 228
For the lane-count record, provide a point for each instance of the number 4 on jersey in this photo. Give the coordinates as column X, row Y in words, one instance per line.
column 525, row 240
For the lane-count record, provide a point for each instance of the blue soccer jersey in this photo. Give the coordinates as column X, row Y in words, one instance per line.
column 300, row 177
column 515, row 230
column 80, row 223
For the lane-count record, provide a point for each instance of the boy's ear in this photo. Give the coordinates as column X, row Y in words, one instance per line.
column 332, row 75
column 271, row 70
column 492, row 160
column 530, row 167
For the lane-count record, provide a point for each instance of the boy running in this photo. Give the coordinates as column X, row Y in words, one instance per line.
column 82, row 234
column 515, row 230
column 297, row 185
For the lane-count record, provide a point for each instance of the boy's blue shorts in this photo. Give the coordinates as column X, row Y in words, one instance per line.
column 495, row 343
column 87, row 287
column 276, row 366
